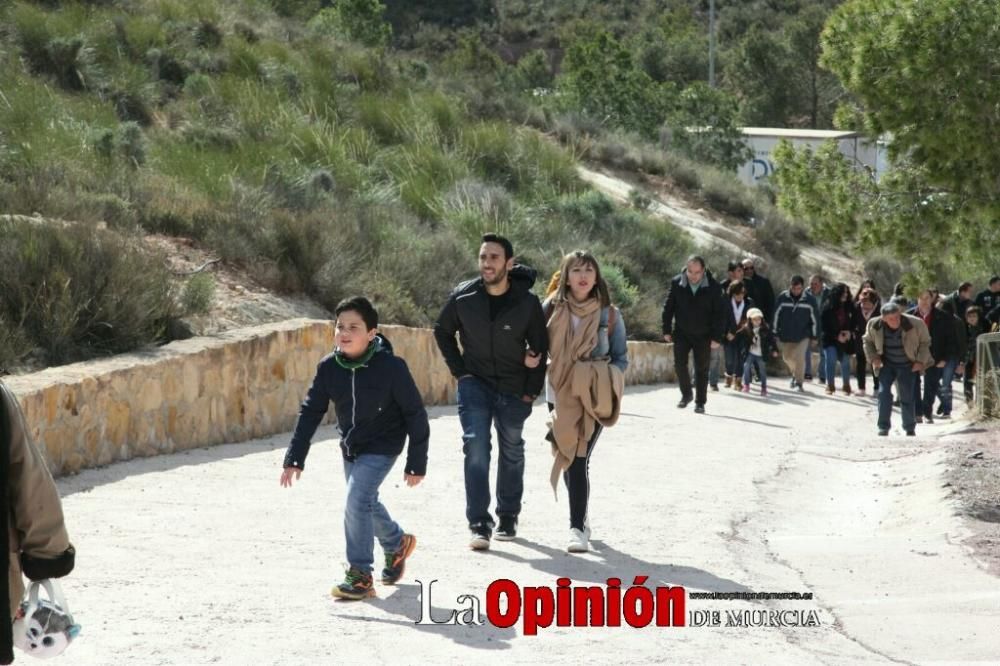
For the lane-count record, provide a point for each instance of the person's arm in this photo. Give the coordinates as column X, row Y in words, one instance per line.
column 669, row 308
column 719, row 308
column 411, row 404
column 445, row 328
column 538, row 339
column 618, row 344
column 35, row 508
column 311, row 414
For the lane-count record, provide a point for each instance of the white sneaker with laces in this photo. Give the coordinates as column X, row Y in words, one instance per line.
column 577, row 542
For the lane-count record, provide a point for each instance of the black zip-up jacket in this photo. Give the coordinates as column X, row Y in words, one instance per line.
column 945, row 345
column 697, row 315
column 768, row 344
column 378, row 405
column 987, row 300
column 494, row 351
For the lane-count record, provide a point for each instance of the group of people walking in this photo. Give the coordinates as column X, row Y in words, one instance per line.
column 505, row 347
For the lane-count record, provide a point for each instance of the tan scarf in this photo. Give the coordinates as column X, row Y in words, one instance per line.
column 574, row 376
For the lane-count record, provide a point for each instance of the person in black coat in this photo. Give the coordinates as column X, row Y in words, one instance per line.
column 838, row 328
column 758, row 288
column 693, row 321
column 496, row 318
column 867, row 306
column 945, row 350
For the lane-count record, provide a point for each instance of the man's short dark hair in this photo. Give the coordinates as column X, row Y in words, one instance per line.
column 508, row 248
column 736, row 288
column 733, row 265
column 891, row 308
column 994, row 280
column 696, row 258
column 797, row 280
column 362, row 306
column 965, row 286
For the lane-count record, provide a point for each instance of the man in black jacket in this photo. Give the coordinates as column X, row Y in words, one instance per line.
column 759, row 288
column 945, row 350
column 693, row 319
column 497, row 319
column 989, row 298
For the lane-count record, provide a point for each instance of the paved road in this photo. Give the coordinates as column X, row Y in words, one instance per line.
column 202, row 558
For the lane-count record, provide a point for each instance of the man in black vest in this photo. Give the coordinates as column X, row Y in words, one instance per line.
column 693, row 319
column 496, row 318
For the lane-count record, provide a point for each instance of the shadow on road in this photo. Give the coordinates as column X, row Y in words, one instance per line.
column 613, row 563
column 404, row 604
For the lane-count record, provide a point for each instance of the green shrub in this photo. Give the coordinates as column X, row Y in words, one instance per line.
column 198, row 294
column 78, row 291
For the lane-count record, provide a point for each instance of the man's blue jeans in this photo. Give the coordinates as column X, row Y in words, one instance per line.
column 887, row 376
column 365, row 519
column 480, row 407
column 947, row 377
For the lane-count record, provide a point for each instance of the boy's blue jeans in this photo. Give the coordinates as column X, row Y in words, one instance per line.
column 480, row 407
column 365, row 518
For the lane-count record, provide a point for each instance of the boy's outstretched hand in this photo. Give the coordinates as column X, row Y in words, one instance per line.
column 412, row 479
column 287, row 474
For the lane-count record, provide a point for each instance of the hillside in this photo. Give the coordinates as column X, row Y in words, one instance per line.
column 311, row 156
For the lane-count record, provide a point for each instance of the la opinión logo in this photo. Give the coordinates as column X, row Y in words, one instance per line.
column 566, row 605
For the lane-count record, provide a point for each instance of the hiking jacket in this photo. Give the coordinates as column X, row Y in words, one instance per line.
column 916, row 339
column 696, row 314
column 494, row 351
column 377, row 405
column 795, row 319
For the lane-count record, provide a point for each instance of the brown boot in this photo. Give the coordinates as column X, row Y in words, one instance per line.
column 847, row 389
column 830, row 389
column 738, row 383
column 729, row 381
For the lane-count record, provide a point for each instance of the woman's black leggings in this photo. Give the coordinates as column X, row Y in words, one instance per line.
column 577, row 480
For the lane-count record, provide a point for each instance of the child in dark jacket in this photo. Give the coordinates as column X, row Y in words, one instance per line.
column 973, row 329
column 378, row 406
column 760, row 345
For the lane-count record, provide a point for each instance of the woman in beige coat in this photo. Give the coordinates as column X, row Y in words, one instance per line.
column 37, row 543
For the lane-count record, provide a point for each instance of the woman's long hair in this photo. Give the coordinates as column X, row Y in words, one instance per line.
column 571, row 261
column 836, row 294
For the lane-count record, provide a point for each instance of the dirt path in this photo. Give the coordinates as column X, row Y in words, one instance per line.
column 707, row 230
column 202, row 558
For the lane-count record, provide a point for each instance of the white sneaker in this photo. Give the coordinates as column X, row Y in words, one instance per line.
column 577, row 542
column 586, row 530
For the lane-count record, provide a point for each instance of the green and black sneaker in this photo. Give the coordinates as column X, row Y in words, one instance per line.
column 357, row 585
column 395, row 563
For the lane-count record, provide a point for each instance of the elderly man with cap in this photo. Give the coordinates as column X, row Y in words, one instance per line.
column 898, row 347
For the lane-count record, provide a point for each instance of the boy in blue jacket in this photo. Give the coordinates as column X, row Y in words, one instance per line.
column 378, row 406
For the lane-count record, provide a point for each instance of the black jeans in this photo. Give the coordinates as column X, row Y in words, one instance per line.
column 577, row 480
column 701, row 346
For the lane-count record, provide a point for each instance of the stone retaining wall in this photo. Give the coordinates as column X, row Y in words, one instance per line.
column 237, row 386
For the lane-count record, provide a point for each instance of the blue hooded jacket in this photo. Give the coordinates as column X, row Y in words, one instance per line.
column 377, row 403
